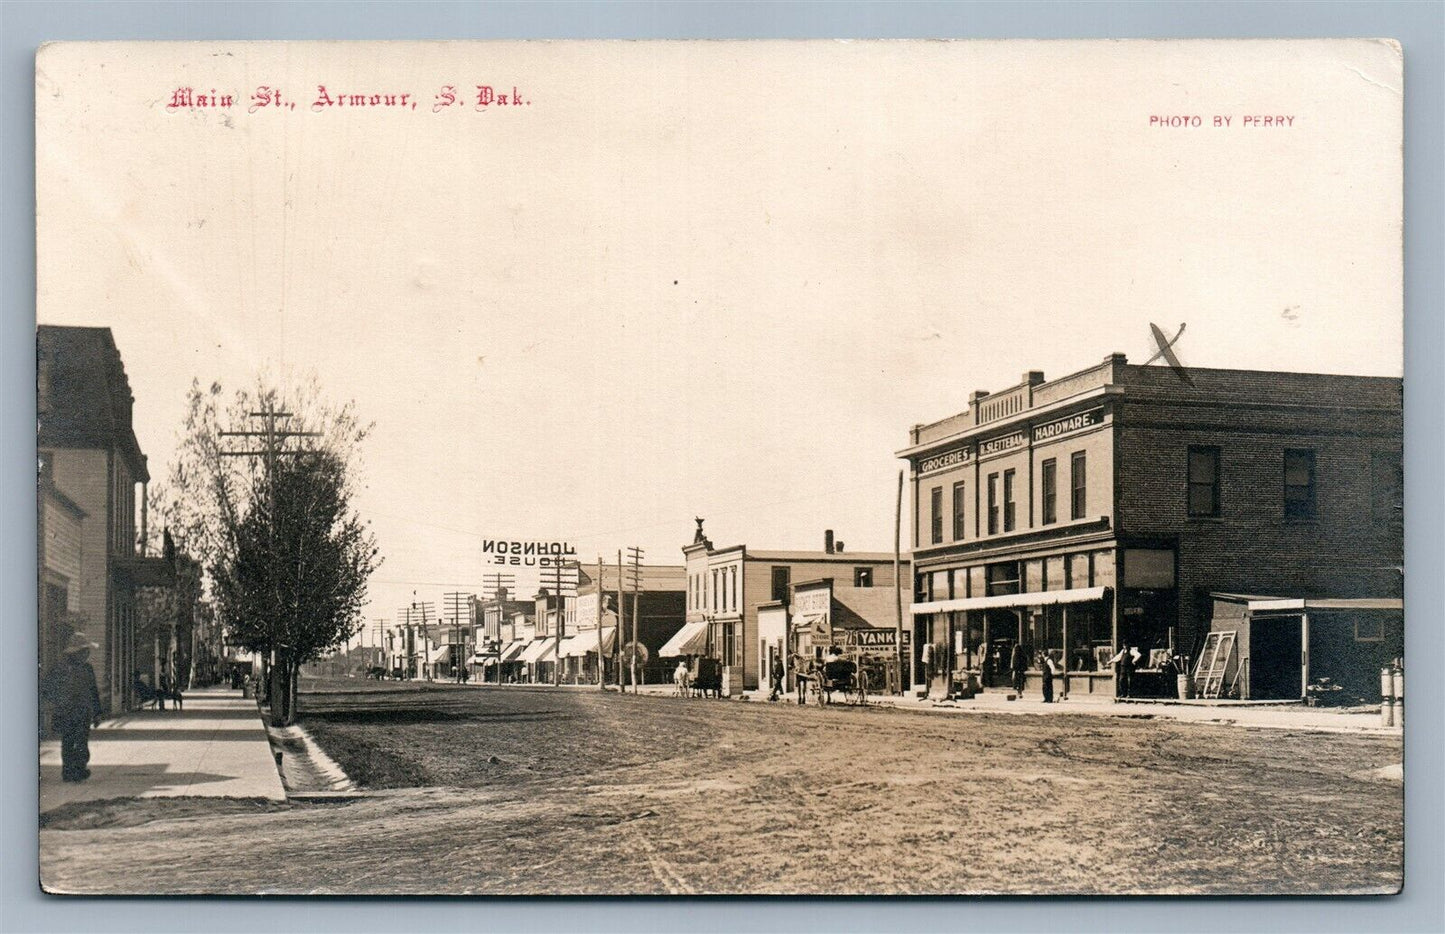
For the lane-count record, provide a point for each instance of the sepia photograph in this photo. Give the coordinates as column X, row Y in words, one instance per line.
column 685, row 468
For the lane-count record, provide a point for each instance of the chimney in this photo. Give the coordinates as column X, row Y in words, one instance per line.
column 838, row 547
column 828, row 541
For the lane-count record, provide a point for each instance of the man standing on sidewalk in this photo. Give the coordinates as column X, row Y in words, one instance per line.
column 70, row 690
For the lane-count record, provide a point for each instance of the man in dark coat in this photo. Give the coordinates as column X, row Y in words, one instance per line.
column 1018, row 666
column 70, row 690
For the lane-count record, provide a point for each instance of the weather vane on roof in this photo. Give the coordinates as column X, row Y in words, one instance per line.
column 1166, row 350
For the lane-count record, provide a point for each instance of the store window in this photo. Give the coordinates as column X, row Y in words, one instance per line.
column 1003, row 578
column 1203, row 482
column 1299, row 484
column 1049, row 481
column 1009, row 513
column 958, row 511
column 1078, row 483
column 935, row 515
column 993, row 504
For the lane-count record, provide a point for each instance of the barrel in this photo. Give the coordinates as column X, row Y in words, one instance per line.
column 1387, row 683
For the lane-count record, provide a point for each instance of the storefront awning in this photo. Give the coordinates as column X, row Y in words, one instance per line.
column 513, row 649
column 1286, row 605
column 807, row 621
column 691, row 639
column 1003, row 601
column 588, row 641
column 539, row 651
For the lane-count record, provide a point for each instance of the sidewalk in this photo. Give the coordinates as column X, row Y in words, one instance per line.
column 216, row 747
column 1259, row 716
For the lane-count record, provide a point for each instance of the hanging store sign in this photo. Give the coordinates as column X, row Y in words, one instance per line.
column 528, row 554
column 1067, row 426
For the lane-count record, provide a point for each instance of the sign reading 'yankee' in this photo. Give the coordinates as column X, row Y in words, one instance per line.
column 872, row 638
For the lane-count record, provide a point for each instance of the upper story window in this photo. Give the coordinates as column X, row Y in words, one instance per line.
column 1387, row 486
column 935, row 515
column 1203, row 481
column 782, row 577
column 993, row 504
column 1009, row 512
column 862, row 577
column 1078, row 483
column 1299, row 484
column 1049, row 482
column 958, row 511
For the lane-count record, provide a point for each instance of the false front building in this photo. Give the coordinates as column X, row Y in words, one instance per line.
column 726, row 586
column 1107, row 509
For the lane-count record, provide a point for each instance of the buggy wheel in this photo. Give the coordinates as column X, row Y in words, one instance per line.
column 860, row 689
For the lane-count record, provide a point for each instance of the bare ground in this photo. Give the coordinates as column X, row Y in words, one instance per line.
column 537, row 791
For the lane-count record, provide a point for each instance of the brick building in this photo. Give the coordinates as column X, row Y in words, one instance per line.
column 93, row 480
column 1107, row 508
column 725, row 587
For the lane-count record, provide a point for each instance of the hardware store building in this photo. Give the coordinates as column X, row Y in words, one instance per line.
column 1104, row 509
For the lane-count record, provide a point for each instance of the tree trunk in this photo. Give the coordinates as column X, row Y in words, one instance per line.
column 292, row 684
column 277, row 690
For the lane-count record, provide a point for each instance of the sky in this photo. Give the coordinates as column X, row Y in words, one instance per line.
column 702, row 279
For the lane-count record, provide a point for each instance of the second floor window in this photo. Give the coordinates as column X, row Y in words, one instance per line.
column 935, row 515
column 781, row 579
column 1049, row 481
column 958, row 511
column 1299, row 484
column 993, row 504
column 1078, row 486
column 1203, row 482
column 1009, row 516
column 862, row 577
column 1387, row 486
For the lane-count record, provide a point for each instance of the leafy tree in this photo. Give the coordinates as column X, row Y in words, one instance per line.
column 287, row 557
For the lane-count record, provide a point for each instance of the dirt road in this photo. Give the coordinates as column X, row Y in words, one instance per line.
column 514, row 790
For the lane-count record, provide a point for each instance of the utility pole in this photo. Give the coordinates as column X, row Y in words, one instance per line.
column 422, row 608
column 403, row 615
column 898, row 586
column 561, row 577
column 456, row 600
column 621, row 618
column 634, row 555
column 601, row 608
column 493, row 586
column 272, row 443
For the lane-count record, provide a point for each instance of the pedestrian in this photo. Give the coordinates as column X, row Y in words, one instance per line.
column 1018, row 665
column 776, row 677
column 1124, row 670
column 927, row 668
column 70, row 690
column 1046, row 667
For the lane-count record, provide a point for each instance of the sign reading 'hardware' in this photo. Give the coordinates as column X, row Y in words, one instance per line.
column 1064, row 426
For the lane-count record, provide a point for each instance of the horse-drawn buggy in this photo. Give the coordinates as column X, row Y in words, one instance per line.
column 845, row 674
